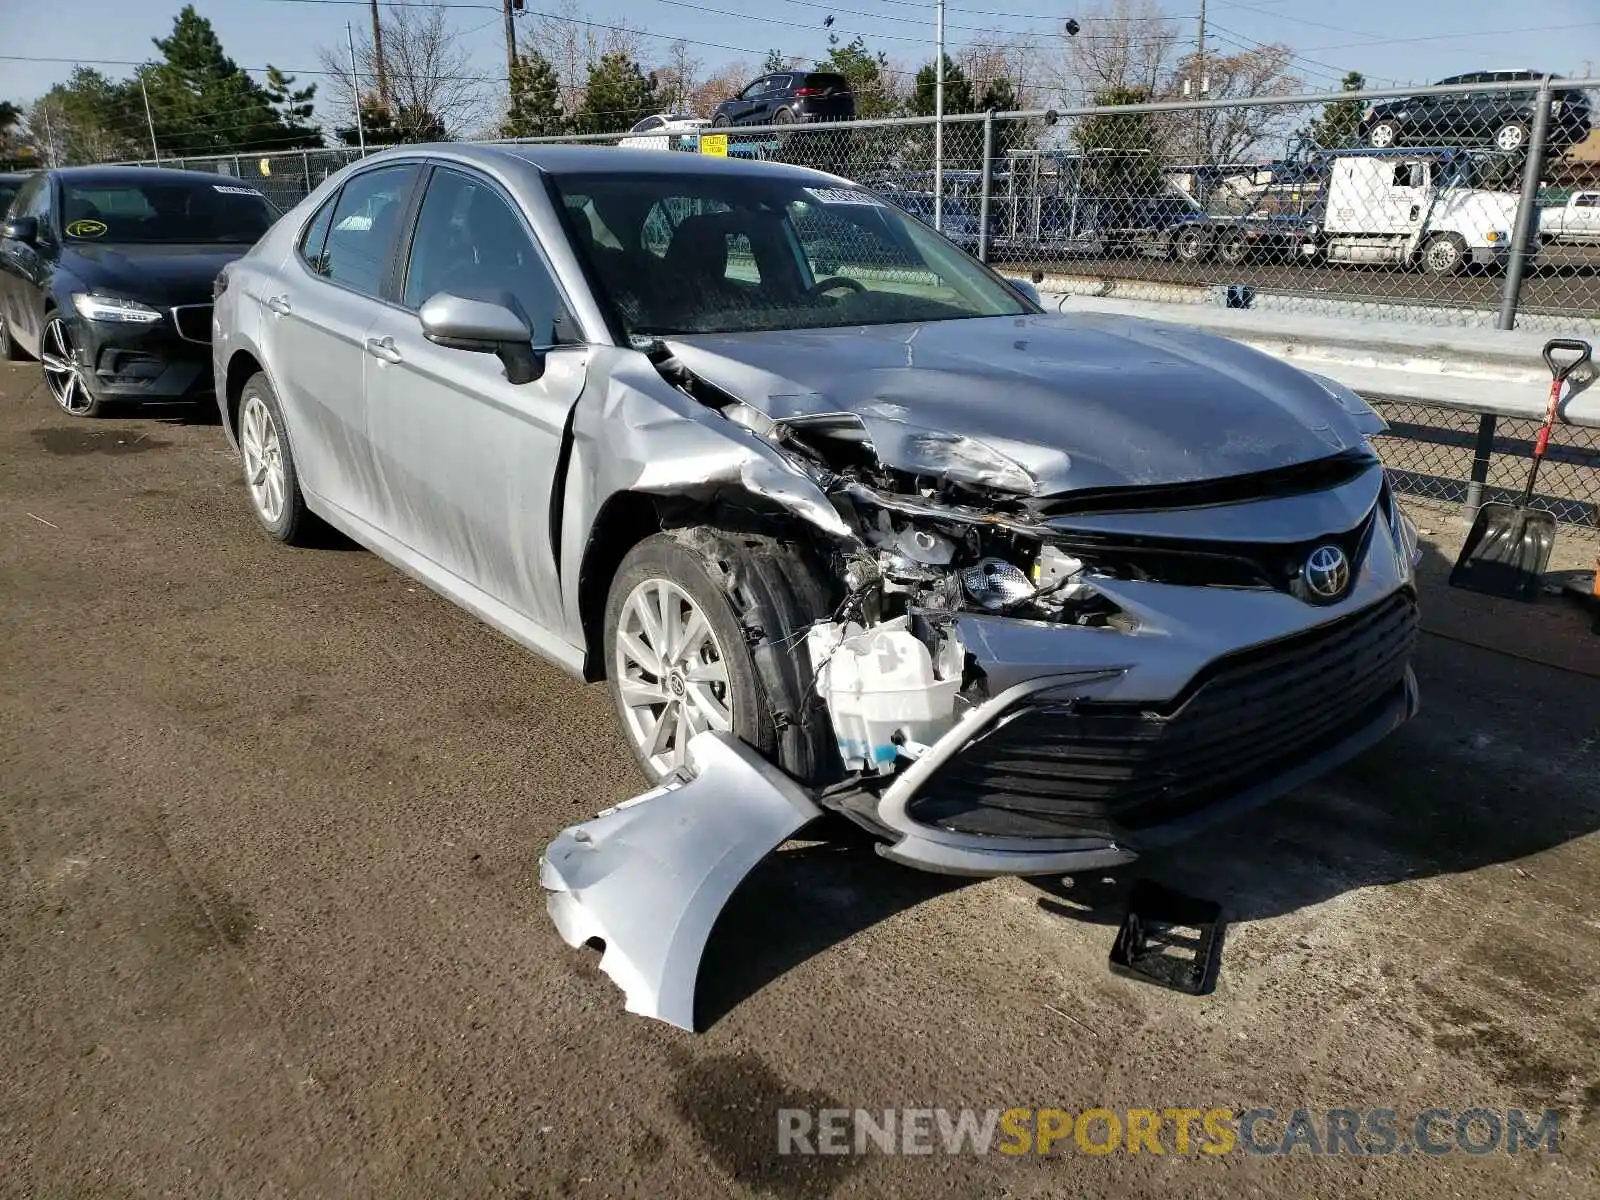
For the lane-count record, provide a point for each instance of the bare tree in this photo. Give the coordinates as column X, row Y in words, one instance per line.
column 722, row 84
column 572, row 41
column 1123, row 44
column 675, row 81
column 428, row 70
column 1229, row 135
column 1014, row 60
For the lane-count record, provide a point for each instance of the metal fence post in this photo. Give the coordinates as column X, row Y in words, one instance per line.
column 1516, row 269
column 305, row 166
column 1527, row 208
column 987, row 187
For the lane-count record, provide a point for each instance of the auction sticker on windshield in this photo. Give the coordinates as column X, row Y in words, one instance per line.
column 86, row 228
column 843, row 196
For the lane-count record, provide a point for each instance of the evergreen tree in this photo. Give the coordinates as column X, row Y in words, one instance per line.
column 957, row 91
column 89, row 119
column 617, row 96
column 1339, row 126
column 867, row 72
column 1121, row 151
column 202, row 102
column 535, row 99
column 383, row 126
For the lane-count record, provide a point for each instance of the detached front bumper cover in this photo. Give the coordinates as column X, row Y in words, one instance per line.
column 649, row 877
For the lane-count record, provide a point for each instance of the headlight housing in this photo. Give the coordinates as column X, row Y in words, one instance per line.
column 117, row 309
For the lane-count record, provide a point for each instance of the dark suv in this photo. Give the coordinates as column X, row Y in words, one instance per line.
column 787, row 96
column 1496, row 115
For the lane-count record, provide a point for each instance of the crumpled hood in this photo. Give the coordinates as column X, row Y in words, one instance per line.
column 161, row 275
column 1083, row 401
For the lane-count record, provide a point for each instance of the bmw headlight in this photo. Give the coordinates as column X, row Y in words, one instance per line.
column 114, row 308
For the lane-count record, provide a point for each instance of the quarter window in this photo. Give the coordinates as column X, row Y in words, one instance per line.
column 366, row 223
column 315, row 238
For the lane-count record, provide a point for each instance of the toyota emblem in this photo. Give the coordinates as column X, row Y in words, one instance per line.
column 1326, row 573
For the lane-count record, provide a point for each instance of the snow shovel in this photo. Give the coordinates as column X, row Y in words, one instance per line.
column 1509, row 545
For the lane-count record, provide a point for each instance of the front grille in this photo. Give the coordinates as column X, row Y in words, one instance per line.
column 193, row 322
column 1062, row 769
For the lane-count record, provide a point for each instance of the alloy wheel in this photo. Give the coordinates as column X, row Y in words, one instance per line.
column 672, row 679
column 61, row 371
column 1510, row 138
column 263, row 459
column 1383, row 135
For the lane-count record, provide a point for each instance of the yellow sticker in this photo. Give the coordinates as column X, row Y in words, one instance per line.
column 265, row 166
column 86, row 229
column 714, row 143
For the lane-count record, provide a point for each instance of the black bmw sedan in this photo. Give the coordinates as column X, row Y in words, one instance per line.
column 106, row 276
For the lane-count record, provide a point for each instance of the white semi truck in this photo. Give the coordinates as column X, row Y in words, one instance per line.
column 1416, row 209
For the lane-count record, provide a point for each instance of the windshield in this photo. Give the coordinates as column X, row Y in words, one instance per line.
column 677, row 253
column 163, row 211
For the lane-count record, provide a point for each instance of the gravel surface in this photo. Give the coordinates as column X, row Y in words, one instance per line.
column 270, row 925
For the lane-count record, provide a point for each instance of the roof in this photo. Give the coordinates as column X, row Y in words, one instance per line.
column 105, row 174
column 602, row 160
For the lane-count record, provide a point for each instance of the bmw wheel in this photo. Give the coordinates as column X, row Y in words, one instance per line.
column 269, row 468
column 62, row 373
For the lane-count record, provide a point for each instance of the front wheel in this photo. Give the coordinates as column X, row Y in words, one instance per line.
column 720, row 121
column 63, row 374
column 1445, row 254
column 1511, row 137
column 703, row 631
column 1234, row 249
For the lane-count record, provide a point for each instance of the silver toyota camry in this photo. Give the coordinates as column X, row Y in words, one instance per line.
column 838, row 512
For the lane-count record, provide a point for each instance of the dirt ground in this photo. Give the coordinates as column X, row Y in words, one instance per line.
column 270, row 922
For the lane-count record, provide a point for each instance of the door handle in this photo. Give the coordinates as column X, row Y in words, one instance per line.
column 279, row 305
column 383, row 349
column 1416, row 211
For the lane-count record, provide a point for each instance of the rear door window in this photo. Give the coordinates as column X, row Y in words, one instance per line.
column 365, row 227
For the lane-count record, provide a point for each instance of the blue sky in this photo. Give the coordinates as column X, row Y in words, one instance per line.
column 1400, row 40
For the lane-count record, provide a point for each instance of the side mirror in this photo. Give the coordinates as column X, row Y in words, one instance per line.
column 494, row 326
column 21, row 229
column 1026, row 290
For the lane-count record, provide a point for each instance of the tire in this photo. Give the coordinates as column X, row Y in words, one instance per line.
column 1445, row 254
column 721, row 121
column 1233, row 250
column 783, row 117
column 269, row 468
column 1189, row 245
column 63, row 378
column 10, row 349
column 1511, row 137
column 1384, row 133
column 756, row 593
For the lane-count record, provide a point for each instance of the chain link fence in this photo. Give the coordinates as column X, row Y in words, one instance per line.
column 1474, row 204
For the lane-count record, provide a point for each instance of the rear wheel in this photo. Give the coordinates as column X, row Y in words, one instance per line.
column 1511, row 137
column 269, row 467
column 783, row 117
column 62, row 373
column 720, row 121
column 1384, row 134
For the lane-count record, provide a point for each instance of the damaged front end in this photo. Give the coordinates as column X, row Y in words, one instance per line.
column 1020, row 679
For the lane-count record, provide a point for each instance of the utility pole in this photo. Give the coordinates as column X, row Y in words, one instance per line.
column 1200, row 87
column 511, row 48
column 49, row 138
column 377, row 53
column 938, row 120
column 355, row 89
column 148, row 120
